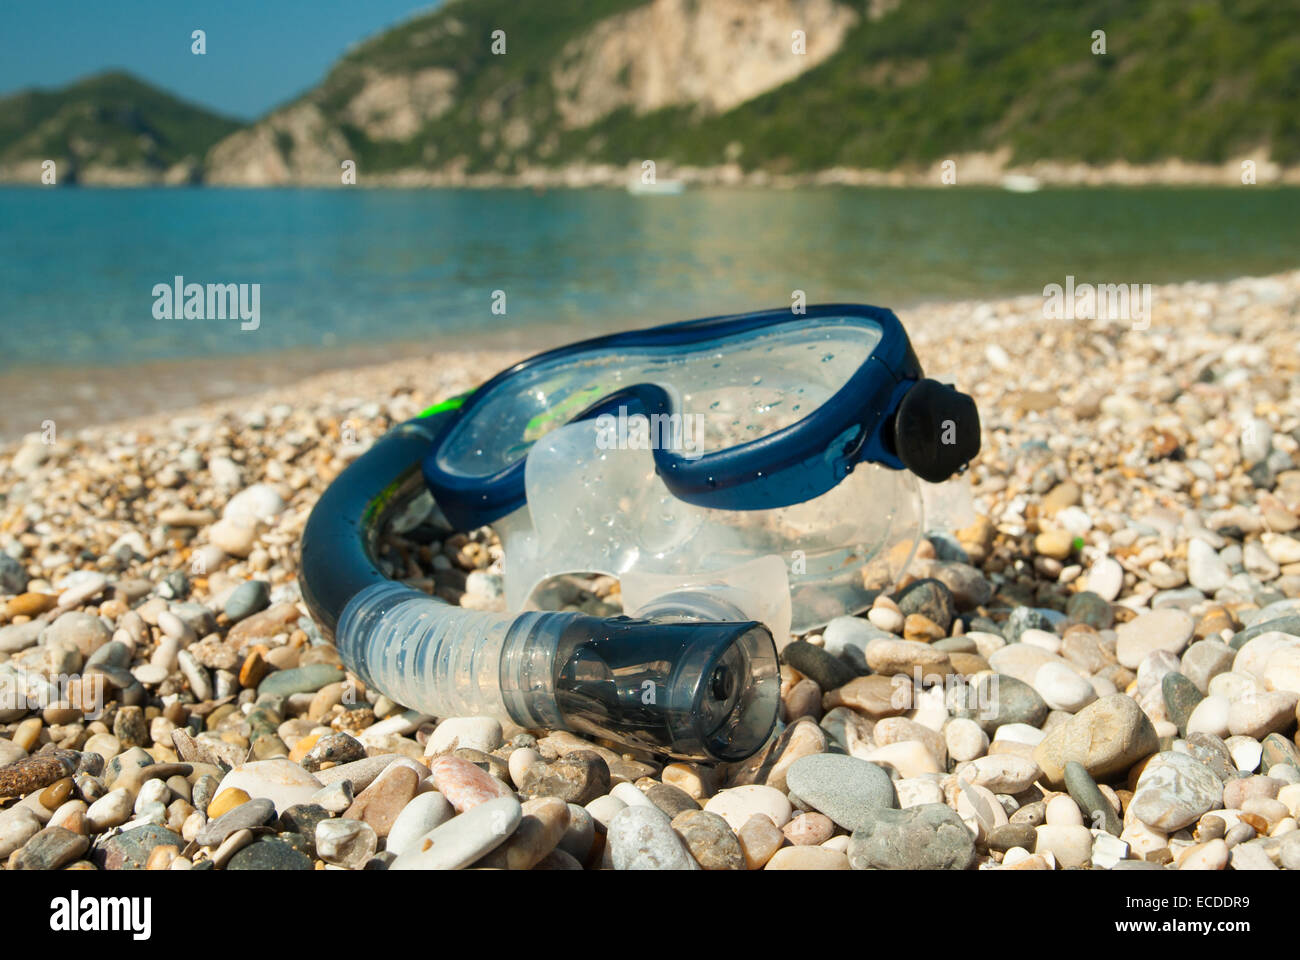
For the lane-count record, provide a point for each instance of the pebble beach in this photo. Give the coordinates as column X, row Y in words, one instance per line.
column 1101, row 671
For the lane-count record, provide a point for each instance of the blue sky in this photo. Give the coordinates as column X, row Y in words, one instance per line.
column 260, row 53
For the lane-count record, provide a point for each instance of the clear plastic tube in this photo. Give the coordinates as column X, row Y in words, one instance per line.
column 694, row 678
column 682, row 682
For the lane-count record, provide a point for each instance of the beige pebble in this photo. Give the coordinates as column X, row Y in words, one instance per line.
column 808, row 858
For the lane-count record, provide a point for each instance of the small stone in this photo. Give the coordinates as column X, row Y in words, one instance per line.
column 1206, row 571
column 1062, row 688
column 669, row 799
column 130, row 849
column 539, row 832
column 918, row 627
column 1001, row 773
column 578, row 777
column 308, row 679
column 912, row 793
column 1212, row 855
column 1090, row 608
column 1209, row 716
column 1246, row 753
column 196, row 675
column 845, row 789
column 1264, row 713
column 1070, row 845
column 52, row 848
column 828, row 671
column 849, row 637
column 31, row 604
column 1276, row 750
column 580, row 834
column 884, row 613
column 965, row 739
column 909, row 657
column 1173, row 791
column 225, row 801
column 604, row 809
column 875, row 696
column 380, row 803
column 1204, row 661
column 465, row 785
column 476, row 733
column 1181, row 697
column 926, row 837
column 1106, row 737
column 1057, row 544
column 1008, row 835
column 808, row 829
column 808, row 858
column 269, row 853
column 1167, row 629
column 1106, row 578
column 996, row 700
column 336, row 797
column 738, row 804
column 642, row 838
column 53, row 796
column 32, row 774
column 13, row 575
column 244, row 816
column 930, row 598
column 1063, row 812
column 424, row 813
column 345, row 843
column 301, row 819
column 17, row 825
column 1250, row 855
column 899, row 730
column 332, row 748
column 1097, row 811
column 759, row 840
column 250, row 597
column 967, row 585
column 710, row 840
column 279, row 779
column 111, row 810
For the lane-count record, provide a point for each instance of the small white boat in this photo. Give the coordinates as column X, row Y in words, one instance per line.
column 1020, row 183
column 656, row 188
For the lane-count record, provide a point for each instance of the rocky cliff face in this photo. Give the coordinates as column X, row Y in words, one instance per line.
column 705, row 55
column 712, row 56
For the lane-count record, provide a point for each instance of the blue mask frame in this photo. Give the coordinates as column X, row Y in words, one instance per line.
column 877, row 416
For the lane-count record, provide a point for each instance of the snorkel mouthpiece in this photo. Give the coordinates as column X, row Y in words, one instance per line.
column 669, row 683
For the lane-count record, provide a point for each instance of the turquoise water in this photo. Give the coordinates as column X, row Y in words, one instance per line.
column 350, row 276
column 340, row 267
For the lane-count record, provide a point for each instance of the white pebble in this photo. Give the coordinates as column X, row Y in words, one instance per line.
column 1062, row 811
column 109, row 810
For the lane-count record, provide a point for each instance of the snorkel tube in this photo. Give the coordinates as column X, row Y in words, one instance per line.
column 695, row 679
column 698, row 537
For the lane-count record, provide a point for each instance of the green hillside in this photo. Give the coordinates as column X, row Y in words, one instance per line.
column 111, row 119
column 1194, row 80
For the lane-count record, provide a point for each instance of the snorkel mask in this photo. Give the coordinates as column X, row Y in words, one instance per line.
column 742, row 476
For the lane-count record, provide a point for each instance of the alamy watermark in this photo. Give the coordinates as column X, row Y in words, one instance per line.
column 680, row 433
column 1101, row 301
column 179, row 300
